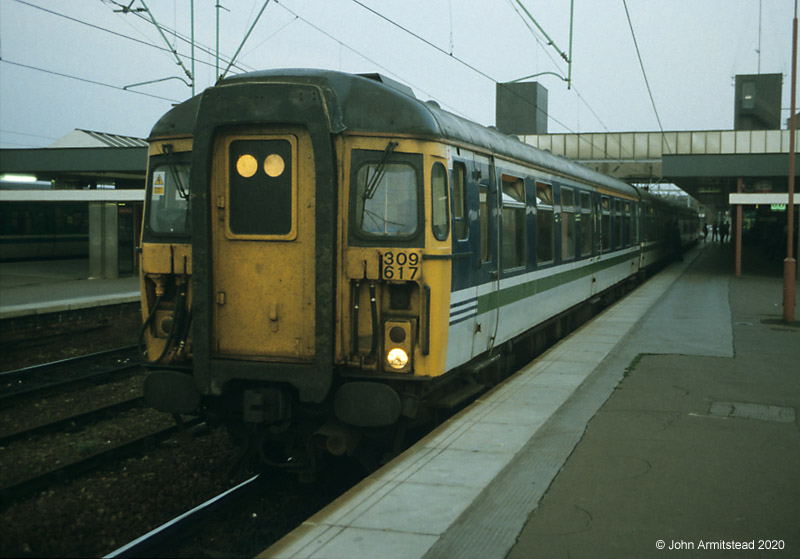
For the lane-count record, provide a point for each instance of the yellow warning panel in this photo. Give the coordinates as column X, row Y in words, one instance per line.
column 159, row 178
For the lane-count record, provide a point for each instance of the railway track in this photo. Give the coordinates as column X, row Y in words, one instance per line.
column 62, row 419
column 66, row 372
column 91, row 453
column 180, row 528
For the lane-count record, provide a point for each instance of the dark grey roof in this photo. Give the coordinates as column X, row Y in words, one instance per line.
column 79, row 138
column 373, row 103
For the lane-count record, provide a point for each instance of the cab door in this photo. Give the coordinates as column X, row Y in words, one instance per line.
column 263, row 255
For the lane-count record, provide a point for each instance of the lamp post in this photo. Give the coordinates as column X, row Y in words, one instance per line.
column 789, row 265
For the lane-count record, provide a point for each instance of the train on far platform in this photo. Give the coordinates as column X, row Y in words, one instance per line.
column 328, row 260
column 43, row 230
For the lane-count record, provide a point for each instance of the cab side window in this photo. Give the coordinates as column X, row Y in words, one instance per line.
column 440, row 206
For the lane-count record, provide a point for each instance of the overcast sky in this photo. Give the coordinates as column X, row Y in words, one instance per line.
column 691, row 50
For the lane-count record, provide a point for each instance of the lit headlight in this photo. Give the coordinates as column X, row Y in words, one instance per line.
column 397, row 358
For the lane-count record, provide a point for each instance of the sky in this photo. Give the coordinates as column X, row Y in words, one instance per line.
column 65, row 64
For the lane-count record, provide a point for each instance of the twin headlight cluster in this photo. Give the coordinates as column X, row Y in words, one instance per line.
column 398, row 344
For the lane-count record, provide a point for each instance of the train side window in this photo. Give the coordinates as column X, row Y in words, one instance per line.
column 586, row 224
column 544, row 223
column 513, row 222
column 651, row 223
column 439, row 202
column 568, row 232
column 483, row 218
column 619, row 222
column 605, row 222
column 460, row 226
column 628, row 224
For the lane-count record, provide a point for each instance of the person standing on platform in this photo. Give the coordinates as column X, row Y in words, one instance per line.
column 715, row 231
column 705, row 232
column 723, row 231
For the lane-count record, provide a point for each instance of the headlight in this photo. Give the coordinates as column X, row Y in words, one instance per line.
column 397, row 358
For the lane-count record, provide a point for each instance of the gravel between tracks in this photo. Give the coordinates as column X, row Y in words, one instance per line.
column 94, row 514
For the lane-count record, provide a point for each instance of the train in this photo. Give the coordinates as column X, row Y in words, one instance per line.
column 328, row 260
column 37, row 230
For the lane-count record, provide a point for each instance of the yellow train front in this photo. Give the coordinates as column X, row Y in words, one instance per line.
column 359, row 256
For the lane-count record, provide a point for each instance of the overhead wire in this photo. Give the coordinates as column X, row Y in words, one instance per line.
column 574, row 88
column 646, row 82
column 457, row 59
column 364, row 56
column 487, row 76
column 85, row 80
column 115, row 33
column 201, row 47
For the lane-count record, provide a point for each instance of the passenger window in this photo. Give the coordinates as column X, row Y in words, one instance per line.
column 439, row 202
column 544, row 223
column 628, row 223
column 619, row 221
column 567, row 224
column 513, row 222
column 605, row 222
column 483, row 217
column 460, row 225
column 586, row 224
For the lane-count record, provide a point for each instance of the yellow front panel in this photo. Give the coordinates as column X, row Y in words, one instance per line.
column 263, row 245
column 424, row 270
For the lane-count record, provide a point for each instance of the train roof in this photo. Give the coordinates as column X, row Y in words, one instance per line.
column 374, row 103
column 178, row 121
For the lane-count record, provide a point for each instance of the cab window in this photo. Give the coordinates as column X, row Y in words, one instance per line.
column 386, row 199
column 169, row 199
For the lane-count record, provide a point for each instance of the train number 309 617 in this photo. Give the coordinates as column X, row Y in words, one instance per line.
column 399, row 265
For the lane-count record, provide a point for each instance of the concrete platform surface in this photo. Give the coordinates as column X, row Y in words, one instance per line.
column 46, row 286
column 671, row 416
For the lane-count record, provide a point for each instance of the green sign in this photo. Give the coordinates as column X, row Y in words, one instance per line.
column 778, row 207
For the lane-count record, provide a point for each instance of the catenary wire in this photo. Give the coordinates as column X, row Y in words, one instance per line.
column 85, row 80
column 646, row 82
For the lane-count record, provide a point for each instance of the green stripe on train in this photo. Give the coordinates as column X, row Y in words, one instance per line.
column 510, row 295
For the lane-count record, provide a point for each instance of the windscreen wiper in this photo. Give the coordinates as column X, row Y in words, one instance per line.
column 173, row 167
column 380, row 170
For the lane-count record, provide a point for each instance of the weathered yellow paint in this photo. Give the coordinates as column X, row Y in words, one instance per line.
column 162, row 264
column 264, row 286
column 362, row 264
column 166, row 258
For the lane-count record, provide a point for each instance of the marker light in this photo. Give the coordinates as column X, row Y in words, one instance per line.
column 246, row 165
column 397, row 358
column 274, row 165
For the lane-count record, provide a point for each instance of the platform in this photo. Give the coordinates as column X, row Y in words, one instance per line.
column 48, row 286
column 671, row 418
